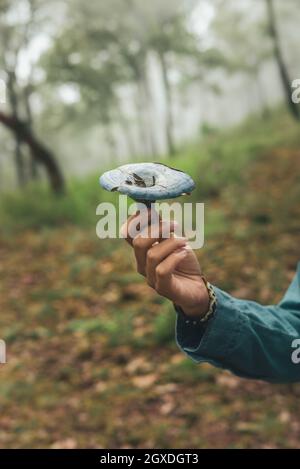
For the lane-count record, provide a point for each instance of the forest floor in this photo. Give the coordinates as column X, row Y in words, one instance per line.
column 92, row 360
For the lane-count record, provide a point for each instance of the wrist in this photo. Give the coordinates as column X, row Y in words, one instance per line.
column 200, row 307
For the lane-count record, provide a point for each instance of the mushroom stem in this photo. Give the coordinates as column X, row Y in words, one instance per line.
column 140, row 205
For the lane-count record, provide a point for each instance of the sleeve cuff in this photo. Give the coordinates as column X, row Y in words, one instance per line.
column 215, row 339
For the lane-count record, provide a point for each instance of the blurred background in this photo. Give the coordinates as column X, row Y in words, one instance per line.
column 202, row 85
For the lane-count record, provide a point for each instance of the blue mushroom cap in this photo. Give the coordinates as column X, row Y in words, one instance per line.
column 147, row 181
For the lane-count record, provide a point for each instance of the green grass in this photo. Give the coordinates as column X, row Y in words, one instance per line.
column 164, row 325
column 189, row 372
column 117, row 330
column 218, row 160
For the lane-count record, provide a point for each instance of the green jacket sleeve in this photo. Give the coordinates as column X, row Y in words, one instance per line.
column 251, row 340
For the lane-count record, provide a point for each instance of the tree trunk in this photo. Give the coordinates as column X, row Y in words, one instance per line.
column 143, row 100
column 33, row 169
column 284, row 74
column 13, row 101
column 142, row 128
column 111, row 143
column 39, row 152
column 19, row 162
column 169, row 113
column 265, row 112
column 146, row 110
column 127, row 134
column 147, row 99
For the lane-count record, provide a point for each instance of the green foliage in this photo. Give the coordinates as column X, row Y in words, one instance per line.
column 116, row 331
column 91, row 325
column 221, row 159
column 35, row 207
column 217, row 162
column 164, row 325
column 189, row 372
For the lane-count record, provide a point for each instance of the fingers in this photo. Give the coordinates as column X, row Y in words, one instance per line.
column 137, row 222
column 157, row 253
column 164, row 273
column 124, row 229
column 142, row 243
column 153, row 243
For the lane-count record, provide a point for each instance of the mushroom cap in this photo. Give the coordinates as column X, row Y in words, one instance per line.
column 147, row 181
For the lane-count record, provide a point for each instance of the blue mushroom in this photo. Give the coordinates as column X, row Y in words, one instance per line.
column 147, row 182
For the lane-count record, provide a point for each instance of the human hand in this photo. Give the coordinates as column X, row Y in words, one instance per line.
column 170, row 266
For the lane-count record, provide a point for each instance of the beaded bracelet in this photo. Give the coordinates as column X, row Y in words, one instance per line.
column 212, row 300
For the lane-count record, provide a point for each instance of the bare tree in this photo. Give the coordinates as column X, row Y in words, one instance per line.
column 13, row 100
column 40, row 153
column 284, row 74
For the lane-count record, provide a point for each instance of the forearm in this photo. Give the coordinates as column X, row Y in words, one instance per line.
column 249, row 339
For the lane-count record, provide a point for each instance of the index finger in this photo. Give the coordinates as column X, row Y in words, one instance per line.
column 146, row 218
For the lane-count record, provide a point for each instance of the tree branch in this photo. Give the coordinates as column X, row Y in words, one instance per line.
column 39, row 152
